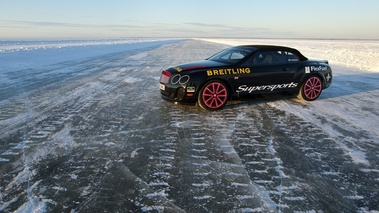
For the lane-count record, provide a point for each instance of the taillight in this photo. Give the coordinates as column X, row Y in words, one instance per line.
column 165, row 77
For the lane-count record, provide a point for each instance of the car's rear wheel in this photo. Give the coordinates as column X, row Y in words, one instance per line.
column 311, row 89
column 214, row 95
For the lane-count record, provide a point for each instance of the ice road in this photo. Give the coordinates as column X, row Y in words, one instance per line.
column 102, row 140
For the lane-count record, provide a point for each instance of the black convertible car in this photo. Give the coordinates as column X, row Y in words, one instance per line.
column 244, row 70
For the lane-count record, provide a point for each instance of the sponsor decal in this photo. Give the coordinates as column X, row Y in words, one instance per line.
column 328, row 77
column 319, row 68
column 190, row 89
column 250, row 89
column 315, row 69
column 162, row 87
column 230, row 71
column 178, row 69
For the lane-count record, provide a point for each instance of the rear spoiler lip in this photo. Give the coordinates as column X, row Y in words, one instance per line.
column 319, row 61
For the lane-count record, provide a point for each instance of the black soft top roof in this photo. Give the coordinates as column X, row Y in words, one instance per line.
column 274, row 48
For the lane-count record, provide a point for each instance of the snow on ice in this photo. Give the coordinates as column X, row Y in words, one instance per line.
column 83, row 129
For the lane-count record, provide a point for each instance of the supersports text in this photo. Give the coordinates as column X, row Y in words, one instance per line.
column 250, row 89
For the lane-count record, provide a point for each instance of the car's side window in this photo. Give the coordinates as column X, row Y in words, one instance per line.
column 292, row 57
column 269, row 58
column 233, row 56
column 236, row 56
column 248, row 62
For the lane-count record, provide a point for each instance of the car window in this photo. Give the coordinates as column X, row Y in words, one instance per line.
column 269, row 58
column 236, row 55
column 232, row 55
column 291, row 57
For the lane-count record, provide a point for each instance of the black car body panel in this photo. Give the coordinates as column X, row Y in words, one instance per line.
column 247, row 69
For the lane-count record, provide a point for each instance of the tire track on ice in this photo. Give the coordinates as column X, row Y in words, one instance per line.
column 255, row 148
column 129, row 151
column 45, row 137
column 55, row 121
column 211, row 175
column 319, row 175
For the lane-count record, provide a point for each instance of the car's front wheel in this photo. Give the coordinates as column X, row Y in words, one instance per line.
column 311, row 89
column 214, row 95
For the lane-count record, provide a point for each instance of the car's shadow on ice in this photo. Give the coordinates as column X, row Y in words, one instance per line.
column 257, row 99
column 240, row 103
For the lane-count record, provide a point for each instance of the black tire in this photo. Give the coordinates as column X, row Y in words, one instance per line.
column 213, row 95
column 311, row 89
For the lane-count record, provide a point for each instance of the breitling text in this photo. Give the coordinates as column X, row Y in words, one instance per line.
column 231, row 71
column 250, row 89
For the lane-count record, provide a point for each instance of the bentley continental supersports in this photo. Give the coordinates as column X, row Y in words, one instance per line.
column 245, row 70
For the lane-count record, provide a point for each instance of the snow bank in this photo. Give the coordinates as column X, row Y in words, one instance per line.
column 359, row 54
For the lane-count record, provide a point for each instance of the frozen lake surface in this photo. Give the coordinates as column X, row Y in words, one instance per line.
column 29, row 65
column 83, row 129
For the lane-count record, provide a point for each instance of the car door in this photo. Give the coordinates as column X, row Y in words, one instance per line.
column 267, row 68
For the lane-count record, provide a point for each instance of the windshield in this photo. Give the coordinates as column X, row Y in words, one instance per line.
column 231, row 56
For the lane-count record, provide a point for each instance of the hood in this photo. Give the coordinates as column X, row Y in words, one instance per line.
column 203, row 64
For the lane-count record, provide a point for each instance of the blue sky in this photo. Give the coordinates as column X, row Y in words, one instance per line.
column 337, row 19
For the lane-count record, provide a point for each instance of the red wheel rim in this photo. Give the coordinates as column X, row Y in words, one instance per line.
column 214, row 95
column 312, row 88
